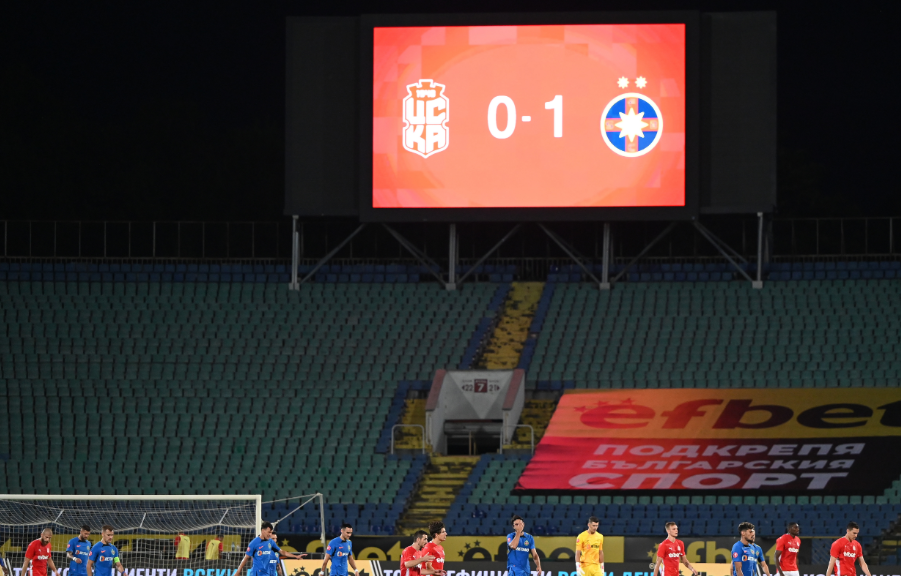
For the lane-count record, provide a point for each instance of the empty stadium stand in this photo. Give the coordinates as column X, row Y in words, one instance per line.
column 716, row 334
column 244, row 375
column 202, row 386
column 725, row 334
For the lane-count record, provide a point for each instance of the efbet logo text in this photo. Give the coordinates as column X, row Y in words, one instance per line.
column 425, row 118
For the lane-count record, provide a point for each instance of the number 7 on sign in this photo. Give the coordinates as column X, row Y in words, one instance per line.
column 557, row 106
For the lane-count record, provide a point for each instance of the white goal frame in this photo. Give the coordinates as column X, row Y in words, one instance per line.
column 256, row 498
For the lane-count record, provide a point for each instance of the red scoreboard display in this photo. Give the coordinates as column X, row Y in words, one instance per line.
column 500, row 118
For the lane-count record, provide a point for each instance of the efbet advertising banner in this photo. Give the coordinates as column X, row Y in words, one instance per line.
column 811, row 441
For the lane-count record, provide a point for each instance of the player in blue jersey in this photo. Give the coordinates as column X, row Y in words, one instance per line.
column 747, row 556
column 762, row 557
column 519, row 546
column 263, row 551
column 78, row 551
column 340, row 552
column 104, row 555
column 4, row 565
column 275, row 565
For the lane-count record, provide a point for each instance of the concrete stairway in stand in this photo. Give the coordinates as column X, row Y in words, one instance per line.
column 442, row 481
column 509, row 336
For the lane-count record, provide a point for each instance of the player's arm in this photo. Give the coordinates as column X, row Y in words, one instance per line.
column 285, row 554
column 25, row 565
column 779, row 562
column 325, row 561
column 659, row 561
column 295, row 555
column 763, row 565
column 579, row 558
column 831, row 565
column 537, row 559
column 418, row 561
column 863, row 564
column 52, row 565
column 92, row 559
column 738, row 571
column 353, row 563
column 686, row 563
column 240, row 566
column 513, row 544
column 427, row 569
column 119, row 567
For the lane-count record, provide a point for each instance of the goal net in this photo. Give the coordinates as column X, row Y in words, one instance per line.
column 156, row 536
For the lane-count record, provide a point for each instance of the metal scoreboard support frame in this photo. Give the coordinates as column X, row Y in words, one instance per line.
column 451, row 280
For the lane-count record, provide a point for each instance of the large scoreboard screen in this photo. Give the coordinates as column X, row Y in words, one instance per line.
column 553, row 121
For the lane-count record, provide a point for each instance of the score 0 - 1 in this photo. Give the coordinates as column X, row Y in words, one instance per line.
column 556, row 105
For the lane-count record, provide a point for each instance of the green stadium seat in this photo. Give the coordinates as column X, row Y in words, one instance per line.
column 175, row 359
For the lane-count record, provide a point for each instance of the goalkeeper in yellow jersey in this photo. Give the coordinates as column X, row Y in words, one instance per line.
column 590, row 551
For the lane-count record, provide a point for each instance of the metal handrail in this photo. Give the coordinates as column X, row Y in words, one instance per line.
column 531, row 430
column 828, row 237
column 514, row 432
column 154, row 238
column 421, row 428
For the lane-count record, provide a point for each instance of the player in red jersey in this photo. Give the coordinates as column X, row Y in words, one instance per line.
column 670, row 553
column 38, row 553
column 439, row 534
column 787, row 547
column 411, row 558
column 845, row 552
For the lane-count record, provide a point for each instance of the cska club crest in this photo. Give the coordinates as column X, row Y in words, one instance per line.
column 425, row 118
column 631, row 125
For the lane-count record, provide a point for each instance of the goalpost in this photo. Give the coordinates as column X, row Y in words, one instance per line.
column 212, row 532
column 146, row 528
column 309, row 498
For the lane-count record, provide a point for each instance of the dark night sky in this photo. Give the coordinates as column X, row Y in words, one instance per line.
column 128, row 110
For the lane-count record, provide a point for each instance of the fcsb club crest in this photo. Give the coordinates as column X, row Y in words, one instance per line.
column 631, row 125
column 425, row 118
